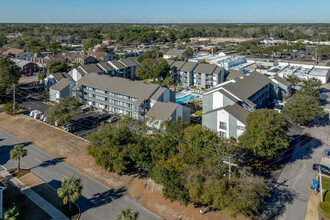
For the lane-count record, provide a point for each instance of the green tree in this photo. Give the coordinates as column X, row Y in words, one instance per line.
column 127, row 214
column 70, row 190
column 8, row 108
column 63, row 111
column 11, row 213
column 189, row 52
column 312, row 82
column 293, row 79
column 3, row 40
column 9, row 74
column 54, row 47
column 303, row 108
column 87, row 46
column 42, row 75
column 57, row 67
column 153, row 69
column 153, row 54
column 327, row 63
column 16, row 153
column 168, row 81
column 308, row 90
column 266, row 133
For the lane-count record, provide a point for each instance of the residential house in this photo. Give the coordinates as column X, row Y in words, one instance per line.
column 61, row 89
column 26, row 67
column 100, row 55
column 54, row 78
column 80, row 58
column 173, row 54
column 119, row 95
column 226, row 106
column 17, row 54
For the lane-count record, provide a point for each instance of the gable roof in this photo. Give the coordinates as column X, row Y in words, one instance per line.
column 158, row 93
column 13, row 51
column 176, row 53
column 177, row 64
column 205, row 68
column 282, row 80
column 59, row 76
column 170, row 62
column 162, row 110
column 91, row 68
column 106, row 66
column 116, row 64
column 128, row 62
column 20, row 63
column 63, row 83
column 235, row 110
column 137, row 89
column 232, row 74
column 188, row 66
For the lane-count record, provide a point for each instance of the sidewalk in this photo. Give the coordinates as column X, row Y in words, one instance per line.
column 33, row 196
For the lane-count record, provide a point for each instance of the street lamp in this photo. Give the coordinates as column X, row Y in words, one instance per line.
column 2, row 187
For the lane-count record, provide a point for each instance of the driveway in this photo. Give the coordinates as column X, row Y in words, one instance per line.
column 97, row 201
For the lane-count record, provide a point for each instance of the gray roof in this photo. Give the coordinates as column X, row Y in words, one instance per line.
column 59, row 76
column 188, row 66
column 235, row 110
column 91, row 68
column 282, row 80
column 234, row 73
column 177, row 53
column 63, row 83
column 177, row 65
column 246, row 86
column 206, row 68
column 137, row 89
column 228, row 95
column 106, row 66
column 117, row 64
column 158, row 93
column 135, row 60
column 170, row 62
column 162, row 110
column 20, row 63
column 128, row 62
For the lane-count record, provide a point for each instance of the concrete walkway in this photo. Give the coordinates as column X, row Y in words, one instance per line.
column 34, row 197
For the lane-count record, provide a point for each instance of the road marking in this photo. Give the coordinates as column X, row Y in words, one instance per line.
column 38, row 160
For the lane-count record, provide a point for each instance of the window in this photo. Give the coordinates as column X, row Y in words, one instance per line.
column 240, row 128
column 223, row 125
column 222, row 134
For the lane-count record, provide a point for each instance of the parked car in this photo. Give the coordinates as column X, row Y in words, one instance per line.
column 85, row 109
column 113, row 119
column 102, row 117
column 324, row 169
column 36, row 114
column 69, row 127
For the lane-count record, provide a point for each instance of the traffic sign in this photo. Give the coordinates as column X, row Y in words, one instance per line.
column 315, row 184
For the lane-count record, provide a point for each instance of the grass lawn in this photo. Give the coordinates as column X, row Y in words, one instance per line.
column 325, row 183
column 325, row 205
column 199, row 113
column 27, row 209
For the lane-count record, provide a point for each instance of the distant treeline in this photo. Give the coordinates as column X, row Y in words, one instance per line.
column 126, row 34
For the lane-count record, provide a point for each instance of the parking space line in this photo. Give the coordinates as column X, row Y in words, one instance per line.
column 38, row 160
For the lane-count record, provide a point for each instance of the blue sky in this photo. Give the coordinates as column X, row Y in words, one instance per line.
column 165, row 11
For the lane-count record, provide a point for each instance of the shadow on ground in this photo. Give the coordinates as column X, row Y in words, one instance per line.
column 5, row 151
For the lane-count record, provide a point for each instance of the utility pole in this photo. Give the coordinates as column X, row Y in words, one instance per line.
column 118, row 125
column 14, row 106
column 230, row 164
column 321, row 183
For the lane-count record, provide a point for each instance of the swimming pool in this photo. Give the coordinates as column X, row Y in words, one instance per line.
column 186, row 98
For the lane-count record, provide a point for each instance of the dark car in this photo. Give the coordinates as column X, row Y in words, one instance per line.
column 102, row 117
column 324, row 169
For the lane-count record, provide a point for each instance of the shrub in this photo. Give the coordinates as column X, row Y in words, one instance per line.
column 8, row 108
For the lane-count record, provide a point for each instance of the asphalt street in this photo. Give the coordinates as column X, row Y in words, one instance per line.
column 97, row 201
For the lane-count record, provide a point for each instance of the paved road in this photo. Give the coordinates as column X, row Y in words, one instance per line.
column 291, row 193
column 98, row 201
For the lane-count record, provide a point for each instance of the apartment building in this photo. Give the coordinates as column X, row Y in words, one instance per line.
column 120, row 95
column 124, row 68
column 200, row 75
column 226, row 107
column 25, row 67
column 18, row 54
column 206, row 76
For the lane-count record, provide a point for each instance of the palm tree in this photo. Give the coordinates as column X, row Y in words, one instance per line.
column 11, row 213
column 70, row 190
column 17, row 153
column 127, row 215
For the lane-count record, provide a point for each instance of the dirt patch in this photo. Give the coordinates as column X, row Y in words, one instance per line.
column 312, row 212
column 60, row 144
column 154, row 200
